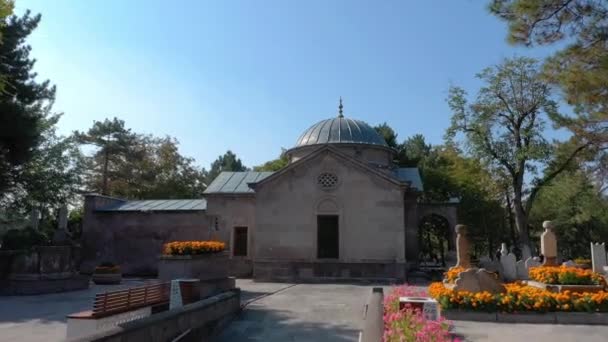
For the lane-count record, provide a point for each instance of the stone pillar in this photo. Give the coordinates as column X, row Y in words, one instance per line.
column 548, row 245
column 63, row 218
column 462, row 247
column 34, row 218
column 598, row 257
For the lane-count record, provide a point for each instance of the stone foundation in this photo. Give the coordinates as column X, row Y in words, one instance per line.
column 271, row 270
column 204, row 267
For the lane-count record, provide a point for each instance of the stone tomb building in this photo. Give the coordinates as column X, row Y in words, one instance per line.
column 339, row 209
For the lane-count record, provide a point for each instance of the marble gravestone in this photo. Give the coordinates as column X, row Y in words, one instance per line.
column 507, row 260
column 598, row 257
column 532, row 262
column 522, row 270
column 462, row 247
column 548, row 245
column 525, row 253
column 478, row 280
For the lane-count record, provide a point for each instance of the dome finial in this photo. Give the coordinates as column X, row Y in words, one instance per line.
column 340, row 114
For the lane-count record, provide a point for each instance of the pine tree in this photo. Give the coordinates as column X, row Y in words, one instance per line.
column 24, row 101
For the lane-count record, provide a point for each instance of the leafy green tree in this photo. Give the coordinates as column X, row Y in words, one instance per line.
column 504, row 127
column 113, row 141
column 579, row 68
column 578, row 209
column 227, row 162
column 154, row 168
column 275, row 164
column 25, row 102
column 53, row 176
column 131, row 165
column 388, row 134
column 413, row 151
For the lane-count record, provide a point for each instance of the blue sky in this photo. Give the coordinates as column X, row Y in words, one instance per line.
column 250, row 76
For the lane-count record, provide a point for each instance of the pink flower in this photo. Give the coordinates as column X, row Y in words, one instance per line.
column 408, row 324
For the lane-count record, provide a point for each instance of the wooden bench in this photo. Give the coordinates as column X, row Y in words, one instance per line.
column 115, row 302
column 114, row 307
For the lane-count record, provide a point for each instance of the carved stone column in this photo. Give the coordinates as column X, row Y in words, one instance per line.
column 548, row 245
column 462, row 247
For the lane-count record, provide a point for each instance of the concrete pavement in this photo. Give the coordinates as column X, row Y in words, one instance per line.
column 273, row 312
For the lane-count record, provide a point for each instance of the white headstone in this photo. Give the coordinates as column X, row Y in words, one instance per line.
column 598, row 257
column 522, row 271
column 507, row 260
column 525, row 252
column 569, row 263
column 532, row 262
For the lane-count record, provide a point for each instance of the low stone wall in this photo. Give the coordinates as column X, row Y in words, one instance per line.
column 194, row 322
column 596, row 318
column 44, row 269
column 268, row 270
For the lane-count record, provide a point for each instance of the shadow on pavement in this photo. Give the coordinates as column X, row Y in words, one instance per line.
column 259, row 324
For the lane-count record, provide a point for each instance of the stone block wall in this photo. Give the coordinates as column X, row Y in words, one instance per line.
column 134, row 239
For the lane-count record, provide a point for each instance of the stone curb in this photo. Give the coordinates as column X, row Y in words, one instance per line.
column 582, row 318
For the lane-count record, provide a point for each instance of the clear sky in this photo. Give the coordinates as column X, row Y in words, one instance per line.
column 250, row 76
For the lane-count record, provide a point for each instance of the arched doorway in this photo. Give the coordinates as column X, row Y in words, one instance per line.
column 434, row 238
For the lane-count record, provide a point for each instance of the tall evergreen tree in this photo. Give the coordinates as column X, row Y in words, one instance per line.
column 113, row 141
column 580, row 66
column 227, row 162
column 24, row 101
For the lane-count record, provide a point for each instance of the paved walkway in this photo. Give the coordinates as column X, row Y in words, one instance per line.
column 325, row 312
column 273, row 312
column 303, row 312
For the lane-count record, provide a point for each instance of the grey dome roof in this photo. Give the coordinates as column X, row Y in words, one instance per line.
column 340, row 130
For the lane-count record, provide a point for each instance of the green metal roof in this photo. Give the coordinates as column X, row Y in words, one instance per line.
column 409, row 174
column 340, row 130
column 235, row 182
column 158, row 205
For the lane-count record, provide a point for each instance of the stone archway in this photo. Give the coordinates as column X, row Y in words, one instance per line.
column 448, row 210
column 434, row 238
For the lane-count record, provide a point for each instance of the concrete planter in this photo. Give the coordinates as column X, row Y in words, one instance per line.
column 462, row 315
column 204, row 266
column 562, row 288
column 106, row 278
column 526, row 317
column 596, row 318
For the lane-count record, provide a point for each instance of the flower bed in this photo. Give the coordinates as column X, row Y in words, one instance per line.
column 519, row 298
column 452, row 274
column 408, row 324
column 204, row 260
column 193, row 247
column 563, row 275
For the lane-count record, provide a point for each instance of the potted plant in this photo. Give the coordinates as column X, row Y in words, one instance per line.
column 204, row 260
column 107, row 273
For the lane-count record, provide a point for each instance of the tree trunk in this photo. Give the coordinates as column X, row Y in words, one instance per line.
column 509, row 210
column 104, row 186
column 521, row 222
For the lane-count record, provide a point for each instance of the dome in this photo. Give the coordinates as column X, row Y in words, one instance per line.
column 340, row 130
